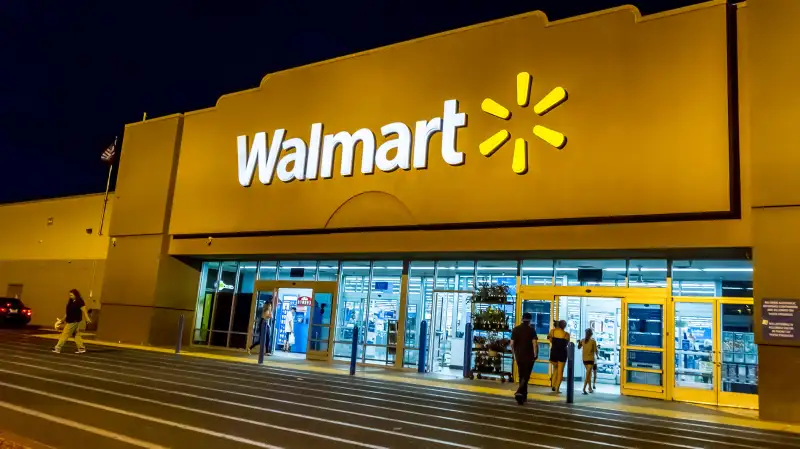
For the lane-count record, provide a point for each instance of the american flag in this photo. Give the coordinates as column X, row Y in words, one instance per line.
column 109, row 153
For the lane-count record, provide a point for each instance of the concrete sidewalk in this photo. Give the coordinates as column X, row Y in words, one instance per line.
column 652, row 407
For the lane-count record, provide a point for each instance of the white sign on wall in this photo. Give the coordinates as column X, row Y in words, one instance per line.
column 304, row 162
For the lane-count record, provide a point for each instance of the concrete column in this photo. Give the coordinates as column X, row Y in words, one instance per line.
column 145, row 289
column 771, row 40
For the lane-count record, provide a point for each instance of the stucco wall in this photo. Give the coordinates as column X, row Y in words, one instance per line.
column 46, row 247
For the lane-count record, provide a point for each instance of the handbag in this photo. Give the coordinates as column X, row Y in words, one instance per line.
column 291, row 338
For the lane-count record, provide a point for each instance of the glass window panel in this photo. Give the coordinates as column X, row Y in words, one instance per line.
column 267, row 270
column 732, row 278
column 289, row 270
column 411, row 358
column 739, row 351
column 224, row 304
column 205, row 301
column 243, row 303
column 606, row 273
column 541, row 367
column 351, row 307
column 694, row 345
column 328, row 270
column 498, row 272
column 645, row 325
column 638, row 377
column 643, row 273
column 419, row 299
column 537, row 272
column 645, row 359
column 383, row 311
column 541, row 319
column 455, row 275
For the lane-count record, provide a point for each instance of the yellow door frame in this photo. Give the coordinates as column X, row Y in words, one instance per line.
column 331, row 287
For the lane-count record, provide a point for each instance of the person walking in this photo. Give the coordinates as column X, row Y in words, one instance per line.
column 589, row 346
column 525, row 347
column 558, row 354
column 266, row 316
column 288, row 328
column 75, row 313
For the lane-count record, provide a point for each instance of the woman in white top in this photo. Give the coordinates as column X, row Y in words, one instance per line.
column 589, row 346
column 288, row 328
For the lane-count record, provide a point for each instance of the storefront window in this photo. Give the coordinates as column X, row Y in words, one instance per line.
column 419, row 299
column 739, row 351
column 383, row 306
column 606, row 273
column 267, row 271
column 242, row 304
column 645, row 325
column 537, row 272
column 351, row 308
column 328, row 270
column 712, row 278
column 644, row 273
column 223, row 308
column 297, row 270
column 694, row 345
column 205, row 301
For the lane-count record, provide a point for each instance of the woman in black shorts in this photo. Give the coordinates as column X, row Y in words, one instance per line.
column 589, row 346
column 558, row 353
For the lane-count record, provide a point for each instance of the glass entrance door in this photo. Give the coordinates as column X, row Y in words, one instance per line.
column 542, row 312
column 643, row 348
column 696, row 378
column 439, row 340
column 449, row 315
column 301, row 318
column 715, row 355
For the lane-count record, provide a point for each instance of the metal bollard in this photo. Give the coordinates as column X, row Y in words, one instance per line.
column 467, row 350
column 262, row 341
column 354, row 352
column 571, row 373
column 180, row 335
column 423, row 346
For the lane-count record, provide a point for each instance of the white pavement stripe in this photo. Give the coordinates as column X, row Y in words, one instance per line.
column 452, row 393
column 182, row 373
column 585, row 412
column 558, row 427
column 81, row 426
column 510, row 429
column 592, row 412
column 558, row 410
column 236, row 418
column 447, row 393
column 143, row 417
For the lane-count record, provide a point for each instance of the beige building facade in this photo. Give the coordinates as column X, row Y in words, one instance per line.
column 642, row 159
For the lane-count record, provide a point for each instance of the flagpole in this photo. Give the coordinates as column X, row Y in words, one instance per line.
column 108, row 186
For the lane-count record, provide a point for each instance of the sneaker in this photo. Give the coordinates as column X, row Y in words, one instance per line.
column 520, row 399
column 57, row 351
column 584, row 392
column 80, row 351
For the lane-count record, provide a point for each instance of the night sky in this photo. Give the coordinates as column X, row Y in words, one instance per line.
column 73, row 73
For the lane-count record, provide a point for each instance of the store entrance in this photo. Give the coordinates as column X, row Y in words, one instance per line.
column 627, row 324
column 449, row 315
column 299, row 325
column 604, row 317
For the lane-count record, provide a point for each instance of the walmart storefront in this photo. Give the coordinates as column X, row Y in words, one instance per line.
column 604, row 177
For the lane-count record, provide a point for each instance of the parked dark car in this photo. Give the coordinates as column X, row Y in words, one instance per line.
column 14, row 312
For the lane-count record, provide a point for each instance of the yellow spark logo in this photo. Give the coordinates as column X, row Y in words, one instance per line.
column 519, row 163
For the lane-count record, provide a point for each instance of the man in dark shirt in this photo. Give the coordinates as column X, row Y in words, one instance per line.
column 525, row 345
